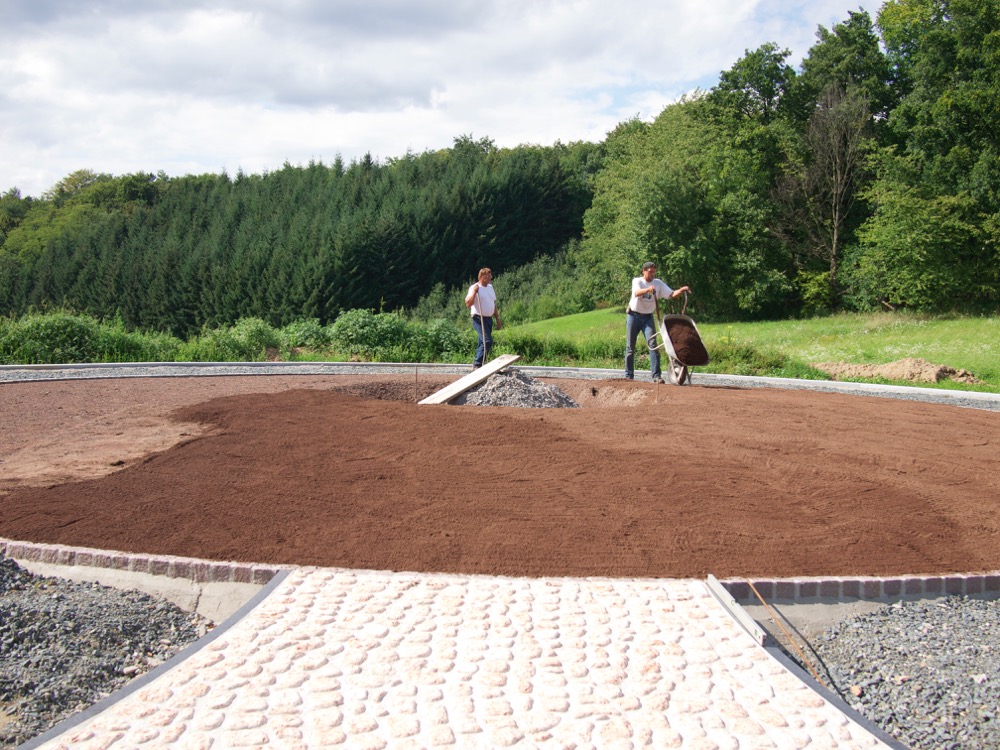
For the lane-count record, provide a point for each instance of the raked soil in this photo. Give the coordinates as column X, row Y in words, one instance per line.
column 643, row 480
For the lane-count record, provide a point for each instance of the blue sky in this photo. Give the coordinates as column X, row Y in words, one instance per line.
column 189, row 87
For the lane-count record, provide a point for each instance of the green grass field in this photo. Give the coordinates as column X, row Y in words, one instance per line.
column 786, row 348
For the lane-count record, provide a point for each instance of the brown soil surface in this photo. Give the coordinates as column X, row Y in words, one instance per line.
column 644, row 480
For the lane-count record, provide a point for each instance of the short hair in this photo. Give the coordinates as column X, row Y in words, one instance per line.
column 648, row 264
column 483, row 271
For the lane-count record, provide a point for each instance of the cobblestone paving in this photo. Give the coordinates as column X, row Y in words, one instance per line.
column 364, row 659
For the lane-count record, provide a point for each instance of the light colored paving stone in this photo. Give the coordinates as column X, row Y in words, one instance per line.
column 360, row 659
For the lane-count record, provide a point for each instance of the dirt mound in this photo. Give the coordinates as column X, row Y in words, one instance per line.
column 913, row 370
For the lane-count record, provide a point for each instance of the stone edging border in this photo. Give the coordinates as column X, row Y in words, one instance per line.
column 191, row 569
column 868, row 588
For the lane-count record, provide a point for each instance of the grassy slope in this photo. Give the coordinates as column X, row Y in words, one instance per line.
column 966, row 343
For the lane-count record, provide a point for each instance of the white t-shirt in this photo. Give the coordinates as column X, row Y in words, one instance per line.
column 645, row 303
column 487, row 299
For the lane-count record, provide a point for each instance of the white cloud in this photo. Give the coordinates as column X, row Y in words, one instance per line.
column 192, row 87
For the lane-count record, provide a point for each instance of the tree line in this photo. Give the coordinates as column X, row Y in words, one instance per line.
column 865, row 178
column 302, row 242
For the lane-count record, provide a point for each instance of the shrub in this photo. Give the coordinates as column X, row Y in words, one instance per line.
column 247, row 340
column 440, row 339
column 310, row 334
column 364, row 333
column 67, row 338
column 53, row 338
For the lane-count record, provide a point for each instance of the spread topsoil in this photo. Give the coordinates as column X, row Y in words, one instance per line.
column 642, row 480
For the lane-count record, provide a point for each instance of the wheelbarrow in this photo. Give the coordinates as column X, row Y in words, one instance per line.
column 678, row 337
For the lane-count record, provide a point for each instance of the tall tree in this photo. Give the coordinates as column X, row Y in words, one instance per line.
column 817, row 200
column 938, row 188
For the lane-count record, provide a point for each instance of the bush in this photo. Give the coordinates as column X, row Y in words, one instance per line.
column 438, row 340
column 67, row 338
column 310, row 334
column 247, row 340
column 818, row 296
column 363, row 333
column 53, row 338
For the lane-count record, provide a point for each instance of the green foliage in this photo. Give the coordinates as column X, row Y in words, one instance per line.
column 388, row 337
column 299, row 243
column 358, row 332
column 683, row 194
column 67, row 338
column 592, row 339
column 310, row 334
column 849, row 57
column 437, row 341
column 742, row 358
column 755, row 89
column 921, row 253
column 817, row 292
column 247, row 340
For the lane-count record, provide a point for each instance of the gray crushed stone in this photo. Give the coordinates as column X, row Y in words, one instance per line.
column 517, row 389
column 926, row 672
column 64, row 646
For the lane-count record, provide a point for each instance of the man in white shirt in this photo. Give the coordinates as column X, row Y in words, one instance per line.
column 482, row 301
column 647, row 291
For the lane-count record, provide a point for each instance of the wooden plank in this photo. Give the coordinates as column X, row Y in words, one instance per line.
column 471, row 380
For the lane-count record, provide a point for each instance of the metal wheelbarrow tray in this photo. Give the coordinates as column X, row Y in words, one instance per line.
column 684, row 347
column 680, row 339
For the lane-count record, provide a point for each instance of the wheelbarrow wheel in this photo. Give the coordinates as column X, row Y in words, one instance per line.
column 678, row 373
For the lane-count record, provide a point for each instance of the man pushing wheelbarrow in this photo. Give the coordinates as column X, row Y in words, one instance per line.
column 647, row 291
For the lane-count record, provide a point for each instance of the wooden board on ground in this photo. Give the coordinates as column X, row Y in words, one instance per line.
column 471, row 380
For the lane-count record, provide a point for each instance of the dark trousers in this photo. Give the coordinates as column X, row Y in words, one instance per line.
column 634, row 324
column 484, row 330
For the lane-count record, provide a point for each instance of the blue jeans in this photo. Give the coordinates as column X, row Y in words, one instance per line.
column 484, row 343
column 634, row 323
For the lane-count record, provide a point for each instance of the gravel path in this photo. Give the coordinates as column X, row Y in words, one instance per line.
column 928, row 673
column 65, row 645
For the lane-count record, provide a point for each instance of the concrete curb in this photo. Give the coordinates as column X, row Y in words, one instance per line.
column 198, row 571
column 867, row 588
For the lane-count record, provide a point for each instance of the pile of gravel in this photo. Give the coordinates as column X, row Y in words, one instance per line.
column 66, row 645
column 515, row 388
column 927, row 673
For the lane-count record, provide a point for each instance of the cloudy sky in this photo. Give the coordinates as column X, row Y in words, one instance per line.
column 190, row 87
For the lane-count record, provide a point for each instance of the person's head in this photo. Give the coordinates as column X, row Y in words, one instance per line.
column 649, row 270
column 485, row 275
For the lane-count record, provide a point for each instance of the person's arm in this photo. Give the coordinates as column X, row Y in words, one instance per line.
column 638, row 290
column 679, row 292
column 470, row 298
